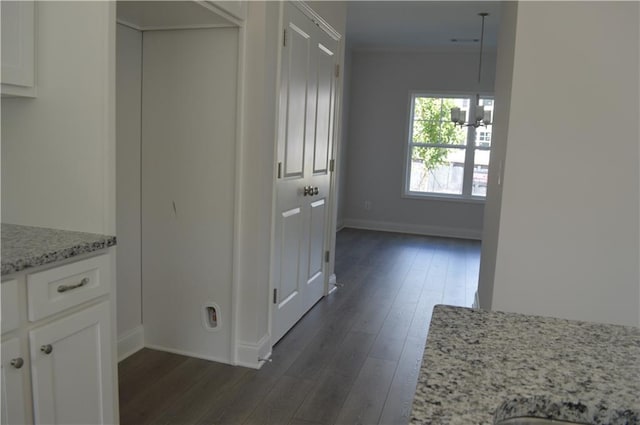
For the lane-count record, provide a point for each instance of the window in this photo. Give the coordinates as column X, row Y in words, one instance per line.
column 443, row 159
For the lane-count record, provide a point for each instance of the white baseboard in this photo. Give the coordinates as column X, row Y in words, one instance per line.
column 187, row 353
column 248, row 353
column 417, row 229
column 130, row 342
column 333, row 280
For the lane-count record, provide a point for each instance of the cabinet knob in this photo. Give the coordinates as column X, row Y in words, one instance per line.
column 17, row 363
column 47, row 349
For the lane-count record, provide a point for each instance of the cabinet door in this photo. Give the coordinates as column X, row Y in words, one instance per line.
column 18, row 48
column 71, row 369
column 13, row 400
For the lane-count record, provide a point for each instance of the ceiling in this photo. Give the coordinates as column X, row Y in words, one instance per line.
column 419, row 24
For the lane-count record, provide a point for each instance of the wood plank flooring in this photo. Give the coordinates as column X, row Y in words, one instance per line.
column 352, row 359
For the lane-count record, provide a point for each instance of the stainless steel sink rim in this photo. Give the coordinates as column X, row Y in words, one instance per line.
column 542, row 409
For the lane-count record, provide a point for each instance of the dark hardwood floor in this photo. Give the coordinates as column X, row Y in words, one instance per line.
column 352, row 359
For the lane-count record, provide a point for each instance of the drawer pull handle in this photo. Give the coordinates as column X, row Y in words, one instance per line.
column 65, row 288
column 47, row 349
column 17, row 363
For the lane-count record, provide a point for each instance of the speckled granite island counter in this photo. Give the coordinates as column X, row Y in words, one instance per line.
column 26, row 246
column 480, row 366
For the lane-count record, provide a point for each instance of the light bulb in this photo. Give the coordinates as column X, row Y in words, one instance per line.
column 463, row 117
column 487, row 117
column 455, row 114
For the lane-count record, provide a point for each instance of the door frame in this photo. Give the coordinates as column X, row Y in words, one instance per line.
column 330, row 235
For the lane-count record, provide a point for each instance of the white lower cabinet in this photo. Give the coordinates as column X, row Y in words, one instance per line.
column 58, row 361
column 71, row 369
column 14, row 403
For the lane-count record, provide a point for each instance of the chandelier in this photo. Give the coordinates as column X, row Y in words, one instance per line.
column 481, row 117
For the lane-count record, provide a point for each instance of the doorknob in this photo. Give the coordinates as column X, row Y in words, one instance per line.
column 310, row 191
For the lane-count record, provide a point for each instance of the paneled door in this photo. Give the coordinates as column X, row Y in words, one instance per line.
column 305, row 139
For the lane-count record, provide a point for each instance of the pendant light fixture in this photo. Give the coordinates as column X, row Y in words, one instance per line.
column 482, row 117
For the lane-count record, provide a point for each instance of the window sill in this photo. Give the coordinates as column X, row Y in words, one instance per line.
column 443, row 198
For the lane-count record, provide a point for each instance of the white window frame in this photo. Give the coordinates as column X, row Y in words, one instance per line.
column 470, row 148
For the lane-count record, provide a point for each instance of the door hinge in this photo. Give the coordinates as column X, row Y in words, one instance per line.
column 337, row 70
column 332, row 165
column 279, row 170
column 275, row 295
column 284, row 38
column 327, row 254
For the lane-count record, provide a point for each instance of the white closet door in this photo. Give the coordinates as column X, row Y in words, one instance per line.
column 307, row 98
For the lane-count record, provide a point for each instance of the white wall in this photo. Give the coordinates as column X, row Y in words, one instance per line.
column 256, row 181
column 569, row 224
column 188, row 188
column 378, row 117
column 344, row 139
column 128, row 107
column 262, row 44
column 504, row 77
column 333, row 12
column 58, row 150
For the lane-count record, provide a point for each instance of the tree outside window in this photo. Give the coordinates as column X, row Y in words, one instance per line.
column 442, row 161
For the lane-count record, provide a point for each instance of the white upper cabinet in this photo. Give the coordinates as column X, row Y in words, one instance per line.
column 18, row 48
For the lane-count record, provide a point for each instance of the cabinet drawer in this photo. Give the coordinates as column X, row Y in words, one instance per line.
column 60, row 288
column 10, row 317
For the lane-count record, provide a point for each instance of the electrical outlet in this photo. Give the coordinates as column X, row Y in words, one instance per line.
column 367, row 205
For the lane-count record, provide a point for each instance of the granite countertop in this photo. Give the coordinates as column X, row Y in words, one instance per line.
column 482, row 366
column 25, row 246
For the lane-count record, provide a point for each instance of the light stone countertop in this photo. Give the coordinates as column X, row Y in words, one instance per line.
column 482, row 366
column 26, row 246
